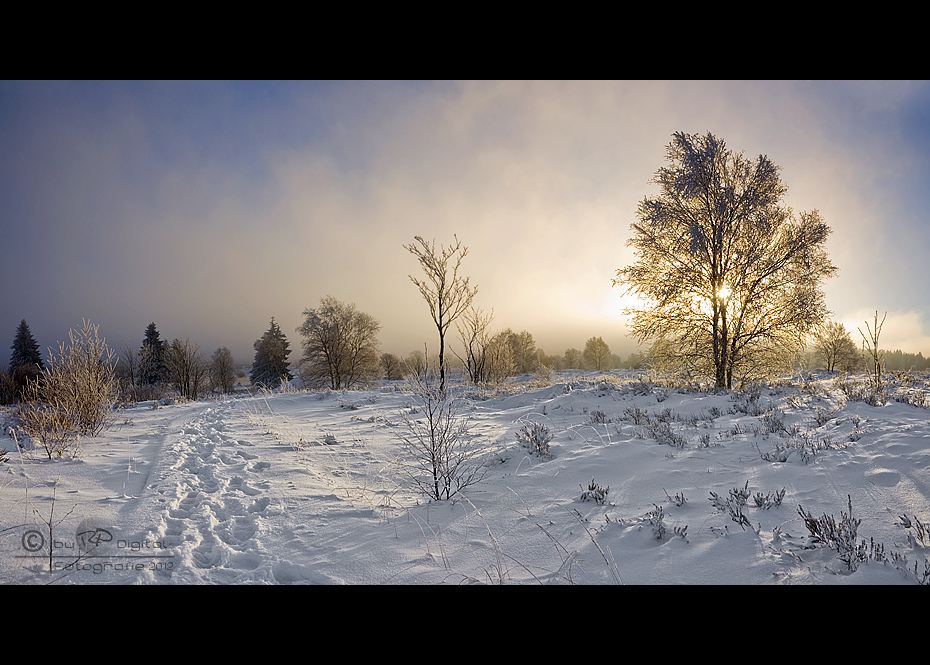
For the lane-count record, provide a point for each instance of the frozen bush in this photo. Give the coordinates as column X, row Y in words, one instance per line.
column 769, row 500
column 822, row 417
column 73, row 395
column 657, row 519
column 662, row 432
column 51, row 425
column 659, row 426
column 595, row 493
column 679, row 498
column 840, row 536
column 443, row 458
column 773, row 422
column 733, row 504
column 537, row 437
column 637, row 415
column 921, row 530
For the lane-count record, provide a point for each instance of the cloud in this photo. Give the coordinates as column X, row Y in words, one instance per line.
column 210, row 207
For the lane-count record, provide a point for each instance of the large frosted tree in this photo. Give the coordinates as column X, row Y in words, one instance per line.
column 730, row 277
column 270, row 368
column 340, row 345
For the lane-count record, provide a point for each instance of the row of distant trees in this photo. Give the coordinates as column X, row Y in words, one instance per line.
column 341, row 350
column 495, row 357
column 137, row 373
column 144, row 371
column 833, row 348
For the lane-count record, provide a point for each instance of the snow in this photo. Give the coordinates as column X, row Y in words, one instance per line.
column 307, row 488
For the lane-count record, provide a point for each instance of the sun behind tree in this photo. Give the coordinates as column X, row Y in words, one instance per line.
column 732, row 277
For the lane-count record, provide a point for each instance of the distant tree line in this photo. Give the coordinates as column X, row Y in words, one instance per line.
column 340, row 348
column 150, row 370
column 834, row 349
column 899, row 360
column 144, row 372
column 340, row 351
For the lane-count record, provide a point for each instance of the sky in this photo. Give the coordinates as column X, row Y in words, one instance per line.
column 210, row 207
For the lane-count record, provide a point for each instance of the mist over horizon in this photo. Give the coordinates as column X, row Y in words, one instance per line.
column 210, row 207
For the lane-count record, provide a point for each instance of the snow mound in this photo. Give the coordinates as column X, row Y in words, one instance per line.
column 302, row 487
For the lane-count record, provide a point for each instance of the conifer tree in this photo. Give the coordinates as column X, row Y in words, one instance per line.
column 270, row 367
column 25, row 349
column 25, row 363
column 152, row 368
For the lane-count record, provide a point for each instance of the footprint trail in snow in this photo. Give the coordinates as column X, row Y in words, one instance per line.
column 216, row 505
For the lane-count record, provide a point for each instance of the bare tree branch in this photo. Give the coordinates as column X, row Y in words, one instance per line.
column 447, row 293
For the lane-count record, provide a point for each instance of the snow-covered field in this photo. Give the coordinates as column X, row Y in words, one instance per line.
column 307, row 488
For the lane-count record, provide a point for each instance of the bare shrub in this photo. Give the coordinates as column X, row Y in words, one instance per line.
column 876, row 356
column 773, row 422
column 840, row 536
column 733, row 504
column 536, row 436
column 921, row 533
column 73, row 395
column 769, row 500
column 542, row 375
column 443, row 458
column 679, row 498
column 595, row 493
column 52, row 425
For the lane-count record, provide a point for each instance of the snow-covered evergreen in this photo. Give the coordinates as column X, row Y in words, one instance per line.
column 152, row 357
column 25, row 349
column 270, row 367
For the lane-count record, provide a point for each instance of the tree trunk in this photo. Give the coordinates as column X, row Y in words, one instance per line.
column 442, row 367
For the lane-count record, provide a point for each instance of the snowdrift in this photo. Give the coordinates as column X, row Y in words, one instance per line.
column 642, row 484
